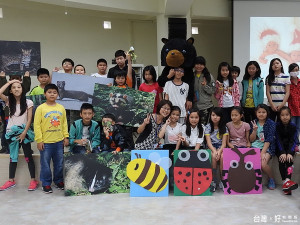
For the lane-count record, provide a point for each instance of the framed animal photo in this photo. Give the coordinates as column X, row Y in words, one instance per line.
column 17, row 57
column 148, row 172
column 129, row 106
column 76, row 89
column 90, row 174
column 242, row 171
column 192, row 173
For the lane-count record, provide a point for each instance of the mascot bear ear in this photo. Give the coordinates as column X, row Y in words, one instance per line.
column 190, row 41
column 165, row 40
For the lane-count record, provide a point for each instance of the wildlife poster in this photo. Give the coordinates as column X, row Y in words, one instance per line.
column 129, row 106
column 89, row 174
column 148, row 172
column 17, row 57
column 76, row 89
column 192, row 173
column 242, row 171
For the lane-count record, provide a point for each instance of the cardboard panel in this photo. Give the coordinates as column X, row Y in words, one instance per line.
column 87, row 174
column 192, row 172
column 129, row 106
column 242, row 171
column 149, row 173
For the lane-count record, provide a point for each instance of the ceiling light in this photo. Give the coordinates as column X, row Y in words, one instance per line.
column 107, row 25
column 195, row 30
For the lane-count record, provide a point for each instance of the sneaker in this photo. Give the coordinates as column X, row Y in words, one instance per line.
column 287, row 192
column 289, row 185
column 221, row 185
column 33, row 185
column 8, row 184
column 271, row 184
column 213, row 186
column 60, row 185
column 47, row 189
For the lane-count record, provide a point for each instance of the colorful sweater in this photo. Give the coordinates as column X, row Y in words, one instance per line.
column 234, row 91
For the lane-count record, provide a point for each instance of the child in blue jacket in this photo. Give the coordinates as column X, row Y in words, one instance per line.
column 85, row 132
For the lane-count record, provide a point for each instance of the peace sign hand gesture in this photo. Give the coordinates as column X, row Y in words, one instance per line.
column 254, row 125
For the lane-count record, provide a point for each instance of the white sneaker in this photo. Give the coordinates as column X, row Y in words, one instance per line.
column 221, row 186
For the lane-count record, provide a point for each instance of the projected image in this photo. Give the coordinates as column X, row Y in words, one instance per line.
column 272, row 37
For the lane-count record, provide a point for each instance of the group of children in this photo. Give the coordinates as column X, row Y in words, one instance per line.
column 202, row 126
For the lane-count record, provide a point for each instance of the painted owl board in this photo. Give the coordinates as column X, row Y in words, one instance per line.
column 242, row 171
column 192, row 172
column 148, row 171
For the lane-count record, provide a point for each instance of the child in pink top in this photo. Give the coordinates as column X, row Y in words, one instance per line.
column 150, row 85
column 227, row 90
column 238, row 130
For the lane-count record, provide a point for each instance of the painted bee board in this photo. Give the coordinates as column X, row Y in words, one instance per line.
column 89, row 174
column 148, row 171
column 242, row 171
column 192, row 173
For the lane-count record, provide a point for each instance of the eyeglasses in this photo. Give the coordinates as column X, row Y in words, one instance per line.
column 166, row 108
column 179, row 70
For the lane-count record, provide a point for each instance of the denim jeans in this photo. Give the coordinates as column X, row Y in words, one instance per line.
column 54, row 151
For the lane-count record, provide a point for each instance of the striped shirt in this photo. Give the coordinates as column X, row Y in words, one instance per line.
column 277, row 89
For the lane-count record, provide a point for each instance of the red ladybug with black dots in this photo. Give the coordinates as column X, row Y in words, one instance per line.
column 193, row 171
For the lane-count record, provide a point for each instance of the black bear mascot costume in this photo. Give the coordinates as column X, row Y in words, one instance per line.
column 178, row 52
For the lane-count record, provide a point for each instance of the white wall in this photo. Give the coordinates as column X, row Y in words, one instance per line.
column 78, row 35
column 214, row 42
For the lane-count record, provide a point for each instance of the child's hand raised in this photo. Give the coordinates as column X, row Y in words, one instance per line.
column 56, row 69
column 168, row 121
column 204, row 82
column 2, row 74
column 128, row 56
column 26, row 74
column 14, row 81
column 106, row 131
column 147, row 119
column 171, row 73
column 254, row 125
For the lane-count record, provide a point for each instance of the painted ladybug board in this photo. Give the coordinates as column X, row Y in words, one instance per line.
column 242, row 171
column 192, row 172
column 148, row 172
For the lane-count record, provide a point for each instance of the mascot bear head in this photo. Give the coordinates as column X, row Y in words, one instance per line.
column 178, row 52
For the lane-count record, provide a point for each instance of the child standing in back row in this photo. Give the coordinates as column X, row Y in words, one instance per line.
column 177, row 91
column 277, row 87
column 51, row 135
column 43, row 77
column 150, row 85
column 253, row 90
column 294, row 98
column 204, row 87
column 227, row 90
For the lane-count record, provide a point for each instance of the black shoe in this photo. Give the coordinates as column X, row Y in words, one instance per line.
column 47, row 189
column 3, row 150
column 60, row 185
